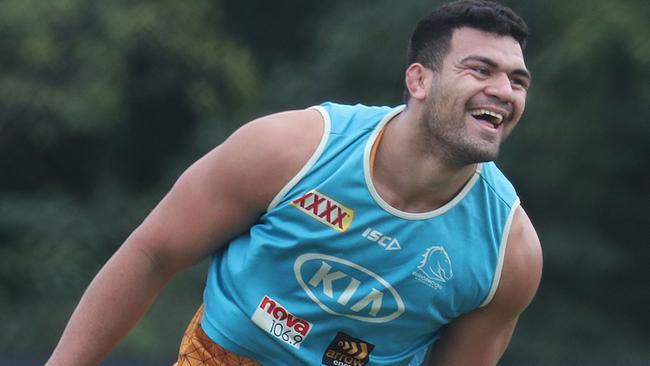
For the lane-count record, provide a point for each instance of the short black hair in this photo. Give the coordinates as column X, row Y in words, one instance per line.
column 431, row 38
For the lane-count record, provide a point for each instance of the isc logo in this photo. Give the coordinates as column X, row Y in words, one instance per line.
column 325, row 210
column 381, row 239
column 343, row 288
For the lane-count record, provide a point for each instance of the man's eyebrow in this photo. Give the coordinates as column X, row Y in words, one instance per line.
column 488, row 61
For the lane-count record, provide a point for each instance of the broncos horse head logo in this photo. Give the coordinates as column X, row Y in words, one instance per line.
column 436, row 264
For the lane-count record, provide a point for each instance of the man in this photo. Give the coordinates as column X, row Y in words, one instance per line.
column 348, row 235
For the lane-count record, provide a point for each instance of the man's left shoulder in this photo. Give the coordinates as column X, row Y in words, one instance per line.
column 522, row 267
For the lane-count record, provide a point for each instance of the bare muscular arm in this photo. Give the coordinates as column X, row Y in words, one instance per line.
column 218, row 197
column 481, row 337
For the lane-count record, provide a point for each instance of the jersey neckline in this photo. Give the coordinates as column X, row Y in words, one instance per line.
column 385, row 205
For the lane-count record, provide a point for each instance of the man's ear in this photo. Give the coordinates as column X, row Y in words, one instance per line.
column 417, row 79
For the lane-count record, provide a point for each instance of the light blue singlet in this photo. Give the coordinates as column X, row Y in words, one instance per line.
column 333, row 275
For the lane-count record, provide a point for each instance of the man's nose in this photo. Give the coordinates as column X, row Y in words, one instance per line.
column 500, row 87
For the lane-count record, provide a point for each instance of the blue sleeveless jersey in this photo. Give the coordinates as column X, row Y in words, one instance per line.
column 333, row 275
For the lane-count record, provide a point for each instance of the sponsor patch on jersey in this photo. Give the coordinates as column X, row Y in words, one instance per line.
column 325, row 209
column 378, row 237
column 434, row 269
column 344, row 288
column 276, row 320
column 346, row 350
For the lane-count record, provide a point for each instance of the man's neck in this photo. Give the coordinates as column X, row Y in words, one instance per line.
column 411, row 177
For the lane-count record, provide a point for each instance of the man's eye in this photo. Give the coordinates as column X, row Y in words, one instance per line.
column 481, row 70
column 519, row 82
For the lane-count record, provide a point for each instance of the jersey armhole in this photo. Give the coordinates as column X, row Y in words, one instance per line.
column 502, row 253
column 327, row 126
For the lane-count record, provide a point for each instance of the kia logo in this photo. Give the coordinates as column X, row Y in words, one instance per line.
column 344, row 288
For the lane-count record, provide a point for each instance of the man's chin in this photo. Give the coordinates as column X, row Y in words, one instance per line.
column 475, row 156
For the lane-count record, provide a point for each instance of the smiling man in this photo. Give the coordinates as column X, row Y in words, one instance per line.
column 348, row 235
column 483, row 75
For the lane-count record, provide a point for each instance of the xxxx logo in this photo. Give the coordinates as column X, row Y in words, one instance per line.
column 325, row 210
column 346, row 350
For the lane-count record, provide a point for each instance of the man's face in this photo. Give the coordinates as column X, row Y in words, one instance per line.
column 477, row 96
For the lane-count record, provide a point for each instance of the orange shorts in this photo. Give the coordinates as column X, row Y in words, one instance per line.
column 197, row 349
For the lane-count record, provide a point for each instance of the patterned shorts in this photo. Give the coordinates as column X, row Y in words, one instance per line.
column 197, row 349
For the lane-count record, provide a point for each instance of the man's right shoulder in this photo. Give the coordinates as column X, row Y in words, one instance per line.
column 269, row 151
column 296, row 127
column 285, row 140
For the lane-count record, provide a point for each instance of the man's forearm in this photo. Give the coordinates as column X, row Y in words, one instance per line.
column 114, row 301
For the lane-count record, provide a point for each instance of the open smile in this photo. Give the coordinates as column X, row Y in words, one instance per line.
column 490, row 117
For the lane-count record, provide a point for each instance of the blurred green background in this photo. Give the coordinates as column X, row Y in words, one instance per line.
column 104, row 103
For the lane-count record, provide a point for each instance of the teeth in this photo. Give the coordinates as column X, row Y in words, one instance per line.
column 478, row 112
